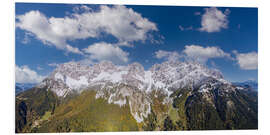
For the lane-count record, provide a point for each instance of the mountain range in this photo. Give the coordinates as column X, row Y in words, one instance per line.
column 172, row 95
column 249, row 84
column 20, row 87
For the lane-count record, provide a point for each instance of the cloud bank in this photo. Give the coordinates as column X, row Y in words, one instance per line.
column 247, row 61
column 106, row 51
column 23, row 74
column 121, row 22
column 171, row 56
column 202, row 54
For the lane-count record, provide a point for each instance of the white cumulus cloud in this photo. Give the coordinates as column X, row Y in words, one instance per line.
column 168, row 55
column 106, row 51
column 247, row 61
column 51, row 31
column 213, row 20
column 23, row 74
column 202, row 54
column 123, row 23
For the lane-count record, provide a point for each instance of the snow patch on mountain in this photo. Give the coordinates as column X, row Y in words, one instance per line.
column 77, row 84
column 59, row 76
column 120, row 102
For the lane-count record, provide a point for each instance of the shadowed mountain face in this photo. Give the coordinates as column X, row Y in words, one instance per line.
column 106, row 97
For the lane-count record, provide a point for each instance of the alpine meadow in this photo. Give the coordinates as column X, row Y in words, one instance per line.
column 104, row 68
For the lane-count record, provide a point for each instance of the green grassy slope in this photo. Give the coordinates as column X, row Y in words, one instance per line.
column 85, row 113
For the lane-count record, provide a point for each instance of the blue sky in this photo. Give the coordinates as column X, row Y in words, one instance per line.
column 50, row 34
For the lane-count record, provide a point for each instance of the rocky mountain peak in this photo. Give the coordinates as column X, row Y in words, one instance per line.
column 105, row 66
